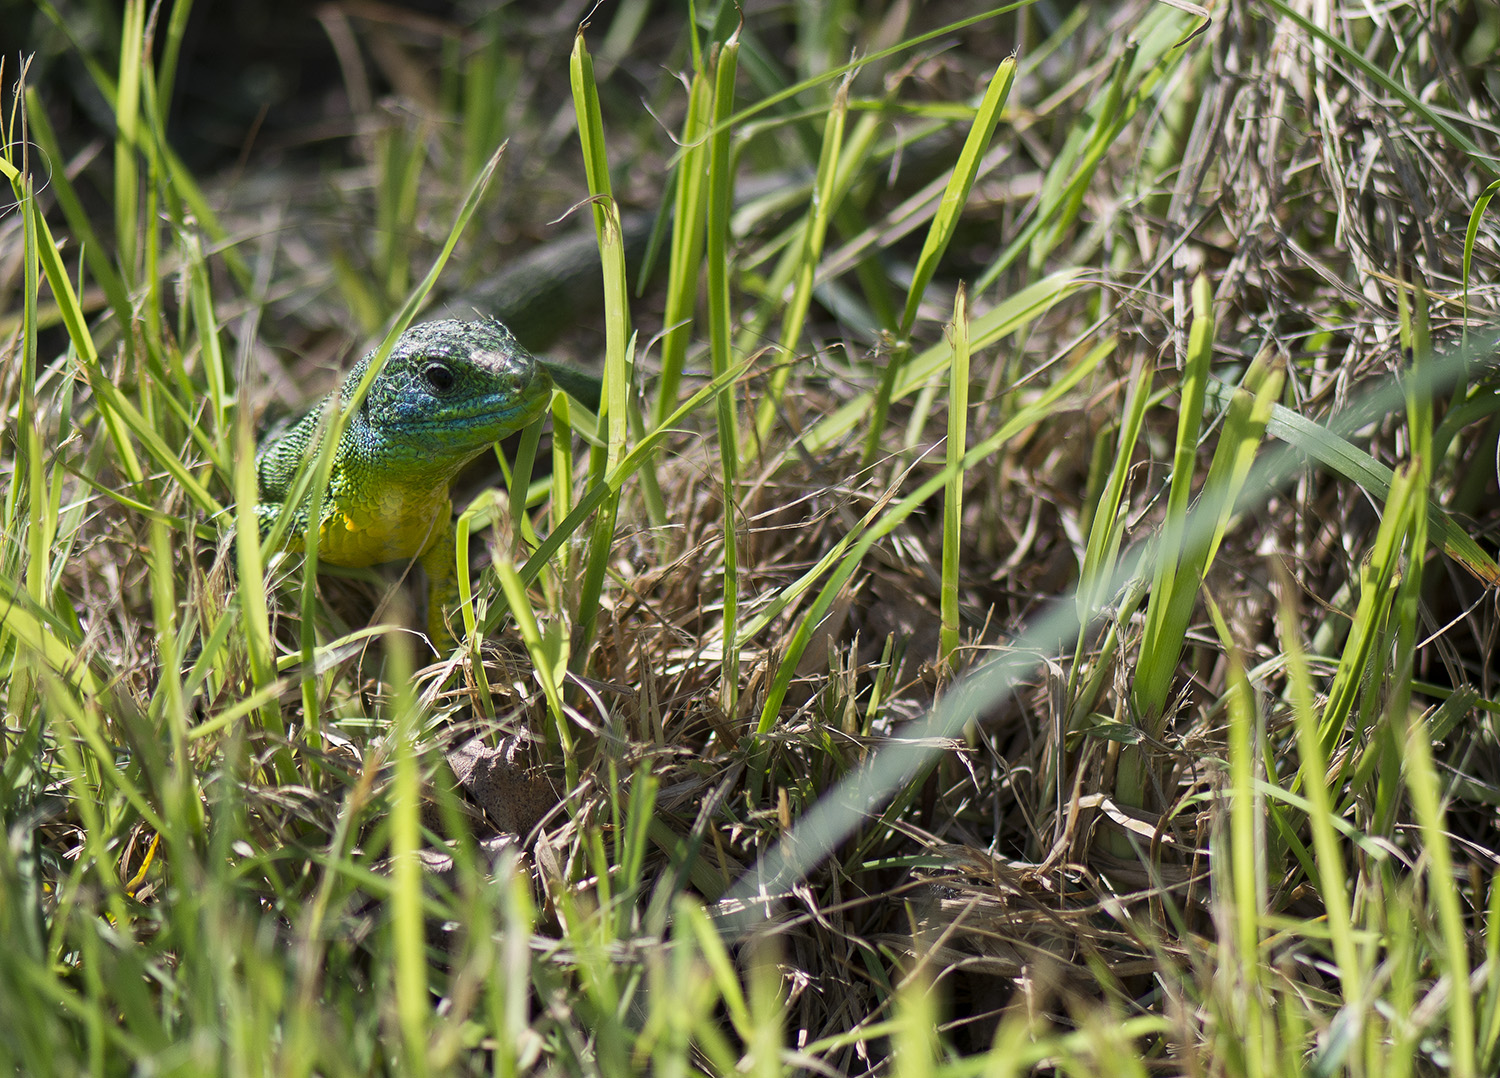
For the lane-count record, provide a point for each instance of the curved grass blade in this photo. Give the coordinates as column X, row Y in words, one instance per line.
column 1348, row 460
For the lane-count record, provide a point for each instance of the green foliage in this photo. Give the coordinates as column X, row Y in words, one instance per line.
column 997, row 615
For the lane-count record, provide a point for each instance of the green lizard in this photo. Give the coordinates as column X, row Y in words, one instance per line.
column 448, row 390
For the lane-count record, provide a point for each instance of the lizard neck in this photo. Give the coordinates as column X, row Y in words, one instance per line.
column 367, row 454
column 389, row 502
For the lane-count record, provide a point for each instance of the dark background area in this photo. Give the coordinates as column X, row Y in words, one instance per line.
column 253, row 76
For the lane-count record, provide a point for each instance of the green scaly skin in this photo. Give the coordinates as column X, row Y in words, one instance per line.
column 449, row 390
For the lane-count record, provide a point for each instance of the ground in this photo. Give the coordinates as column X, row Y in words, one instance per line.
column 1026, row 606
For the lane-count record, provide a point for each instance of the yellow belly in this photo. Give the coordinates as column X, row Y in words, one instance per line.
column 396, row 526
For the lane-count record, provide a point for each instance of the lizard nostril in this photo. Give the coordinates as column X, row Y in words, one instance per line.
column 439, row 378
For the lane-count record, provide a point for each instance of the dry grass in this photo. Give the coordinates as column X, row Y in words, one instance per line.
column 1090, row 886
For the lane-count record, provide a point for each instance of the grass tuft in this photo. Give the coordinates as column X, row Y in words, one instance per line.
column 1003, row 587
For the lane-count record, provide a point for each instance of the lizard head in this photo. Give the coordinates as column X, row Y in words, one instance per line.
column 451, row 388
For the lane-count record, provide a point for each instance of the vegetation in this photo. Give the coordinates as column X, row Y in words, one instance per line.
column 1023, row 604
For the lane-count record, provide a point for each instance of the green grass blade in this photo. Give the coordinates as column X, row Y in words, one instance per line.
column 685, row 261
column 960, row 183
column 1173, row 588
column 1239, row 442
column 1245, row 861
column 1107, row 528
column 83, row 342
column 953, row 495
column 408, row 930
column 126, row 103
column 1470, row 233
column 717, row 252
column 808, row 254
column 617, row 360
column 1489, row 1039
column 1378, row 576
column 549, row 658
column 1422, row 781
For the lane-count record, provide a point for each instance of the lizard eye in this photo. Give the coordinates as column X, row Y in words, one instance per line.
column 438, row 376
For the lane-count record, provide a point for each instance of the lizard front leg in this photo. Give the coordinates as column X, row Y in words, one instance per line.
column 438, row 562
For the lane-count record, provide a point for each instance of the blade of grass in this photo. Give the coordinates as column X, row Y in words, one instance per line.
column 960, row 184
column 685, row 262
column 1106, row 531
column 1174, row 588
column 1470, row 233
column 408, row 931
column 939, row 235
column 953, row 495
column 1385, row 753
column 805, row 263
column 717, row 252
column 1321, row 816
column 1422, row 780
column 549, row 658
column 83, row 343
column 250, row 562
column 618, row 346
column 126, row 106
column 1489, row 1036
column 1378, row 576
column 1343, row 458
column 1183, row 563
column 1245, row 863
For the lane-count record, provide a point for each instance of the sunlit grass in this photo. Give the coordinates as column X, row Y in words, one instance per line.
column 987, row 621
